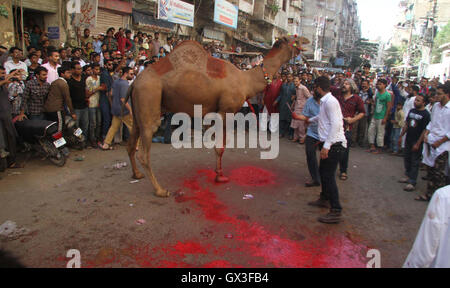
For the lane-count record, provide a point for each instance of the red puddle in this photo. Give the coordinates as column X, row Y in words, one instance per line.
column 260, row 247
column 252, row 176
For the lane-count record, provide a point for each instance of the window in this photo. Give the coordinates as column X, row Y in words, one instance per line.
column 284, row 5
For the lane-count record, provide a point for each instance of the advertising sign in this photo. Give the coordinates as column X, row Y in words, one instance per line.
column 226, row 13
column 176, row 11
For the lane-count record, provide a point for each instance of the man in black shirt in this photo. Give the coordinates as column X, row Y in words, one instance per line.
column 416, row 123
column 77, row 87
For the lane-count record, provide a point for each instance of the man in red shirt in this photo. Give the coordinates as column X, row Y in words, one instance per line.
column 270, row 94
column 352, row 107
column 123, row 43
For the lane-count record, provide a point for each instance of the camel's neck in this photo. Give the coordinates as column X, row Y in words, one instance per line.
column 272, row 63
column 275, row 59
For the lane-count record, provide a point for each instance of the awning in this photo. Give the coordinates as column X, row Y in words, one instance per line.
column 254, row 44
column 213, row 34
column 148, row 20
column 241, row 54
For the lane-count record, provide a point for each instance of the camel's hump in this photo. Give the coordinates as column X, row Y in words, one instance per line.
column 190, row 55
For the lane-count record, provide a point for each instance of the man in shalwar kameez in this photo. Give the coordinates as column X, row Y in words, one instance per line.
column 302, row 95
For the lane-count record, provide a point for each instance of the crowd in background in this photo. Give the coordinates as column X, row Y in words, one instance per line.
column 382, row 112
column 46, row 82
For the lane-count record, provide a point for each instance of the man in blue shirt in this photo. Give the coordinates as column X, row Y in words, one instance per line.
column 119, row 94
column 106, row 80
column 311, row 109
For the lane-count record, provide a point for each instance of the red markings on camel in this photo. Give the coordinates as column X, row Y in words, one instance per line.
column 272, row 53
column 163, row 66
column 216, row 68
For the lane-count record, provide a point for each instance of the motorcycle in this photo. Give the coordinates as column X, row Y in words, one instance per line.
column 43, row 137
column 73, row 134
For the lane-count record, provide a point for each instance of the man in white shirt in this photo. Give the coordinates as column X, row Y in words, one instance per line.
column 15, row 63
column 332, row 144
column 437, row 145
column 431, row 248
column 168, row 47
column 52, row 66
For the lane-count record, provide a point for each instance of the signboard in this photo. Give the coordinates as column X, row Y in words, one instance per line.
column 226, row 13
column 53, row 33
column 87, row 18
column 176, row 11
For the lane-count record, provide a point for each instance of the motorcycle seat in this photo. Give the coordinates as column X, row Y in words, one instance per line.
column 37, row 128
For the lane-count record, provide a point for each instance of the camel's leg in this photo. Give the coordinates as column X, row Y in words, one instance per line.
column 146, row 139
column 132, row 145
column 147, row 103
column 219, row 153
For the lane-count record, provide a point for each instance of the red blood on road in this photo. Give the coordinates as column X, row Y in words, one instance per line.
column 252, row 176
column 254, row 242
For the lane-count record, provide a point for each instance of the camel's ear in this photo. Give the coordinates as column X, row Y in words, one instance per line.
column 303, row 40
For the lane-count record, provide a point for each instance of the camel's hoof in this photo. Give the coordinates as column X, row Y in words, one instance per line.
column 162, row 193
column 138, row 175
column 222, row 179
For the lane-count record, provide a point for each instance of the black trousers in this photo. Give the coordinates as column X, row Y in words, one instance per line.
column 412, row 161
column 343, row 162
column 327, row 170
column 311, row 158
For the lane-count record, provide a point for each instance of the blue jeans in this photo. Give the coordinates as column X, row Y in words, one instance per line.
column 95, row 121
column 83, row 120
column 395, row 134
column 105, row 109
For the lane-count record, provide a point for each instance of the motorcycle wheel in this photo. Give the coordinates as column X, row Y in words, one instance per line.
column 59, row 160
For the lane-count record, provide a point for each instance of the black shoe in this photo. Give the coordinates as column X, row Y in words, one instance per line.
column 312, row 184
column 333, row 217
column 320, row 203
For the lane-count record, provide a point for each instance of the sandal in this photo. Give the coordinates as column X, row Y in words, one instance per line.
column 16, row 165
column 409, row 188
column 343, row 176
column 106, row 147
column 422, row 198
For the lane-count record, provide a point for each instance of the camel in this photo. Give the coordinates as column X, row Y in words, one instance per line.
column 190, row 76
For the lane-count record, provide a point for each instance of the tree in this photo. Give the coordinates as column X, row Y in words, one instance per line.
column 363, row 51
column 442, row 37
column 393, row 57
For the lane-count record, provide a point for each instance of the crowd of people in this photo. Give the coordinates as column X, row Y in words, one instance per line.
column 378, row 111
column 382, row 112
column 87, row 81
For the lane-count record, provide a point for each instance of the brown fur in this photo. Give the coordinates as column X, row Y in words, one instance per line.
column 190, row 76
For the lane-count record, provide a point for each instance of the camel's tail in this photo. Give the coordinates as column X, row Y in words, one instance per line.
column 129, row 92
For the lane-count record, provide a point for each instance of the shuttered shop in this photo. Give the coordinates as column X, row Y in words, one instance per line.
column 106, row 19
column 40, row 5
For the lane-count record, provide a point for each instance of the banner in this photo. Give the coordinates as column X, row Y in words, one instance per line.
column 226, row 13
column 176, row 11
column 87, row 18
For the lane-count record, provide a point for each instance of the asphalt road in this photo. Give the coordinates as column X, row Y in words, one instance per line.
column 113, row 222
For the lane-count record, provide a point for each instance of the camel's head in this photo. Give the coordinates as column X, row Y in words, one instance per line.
column 293, row 43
